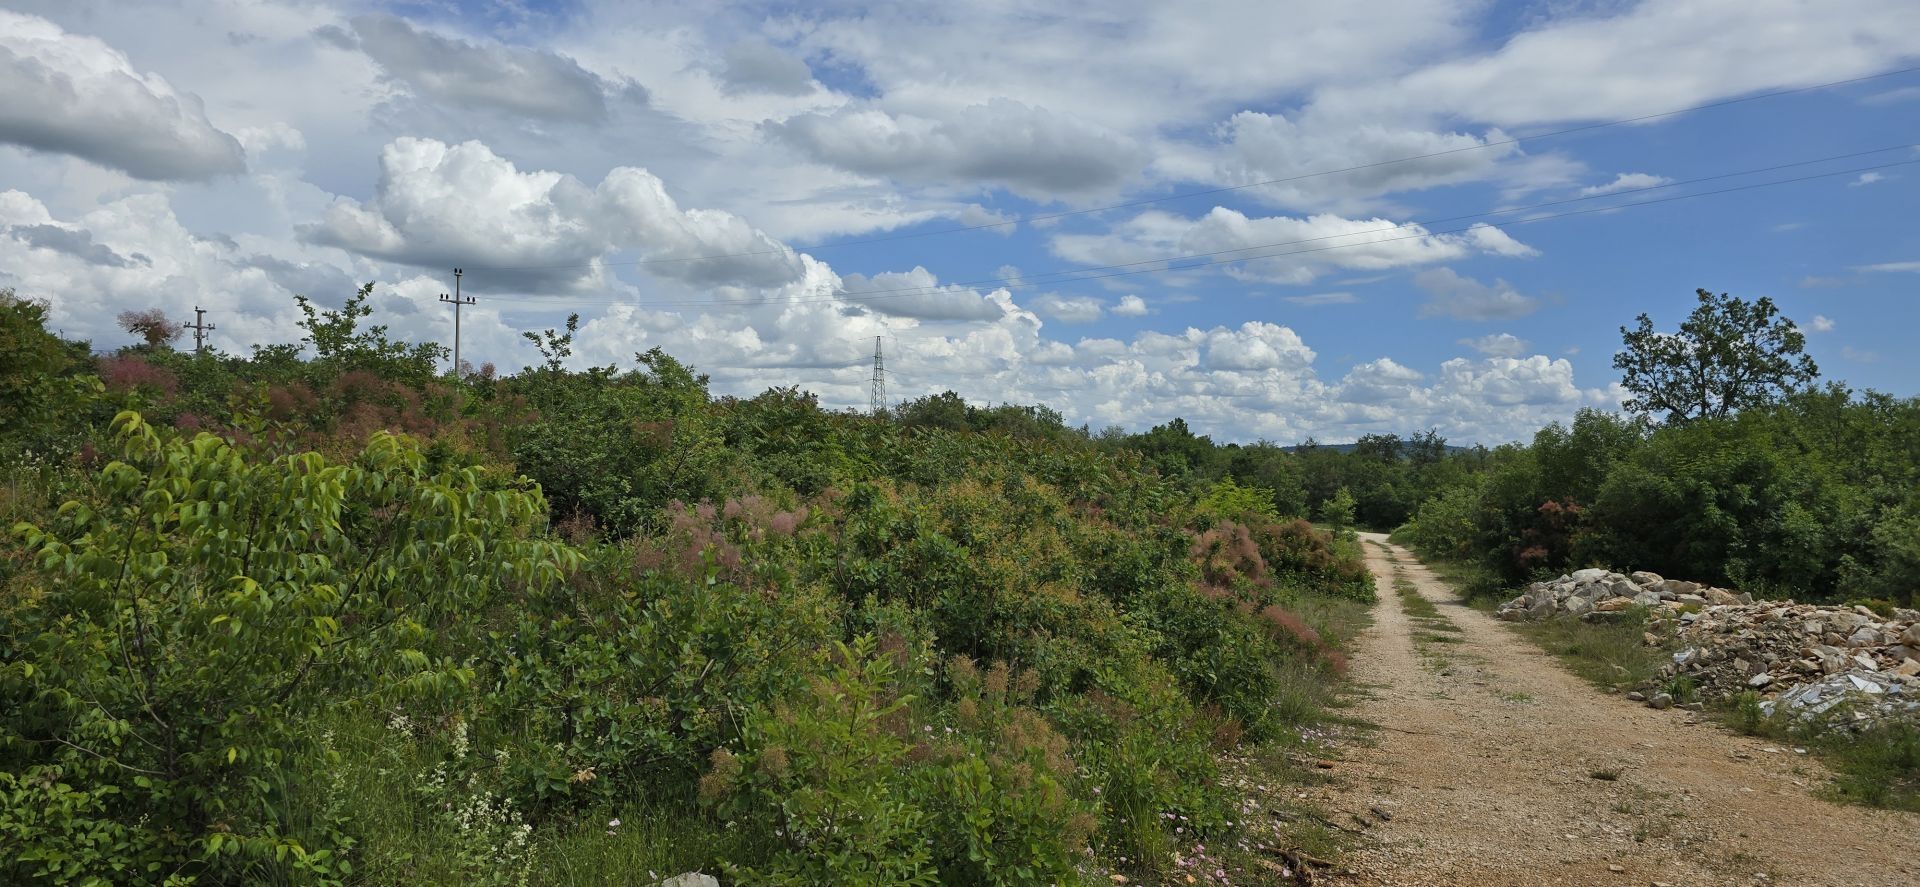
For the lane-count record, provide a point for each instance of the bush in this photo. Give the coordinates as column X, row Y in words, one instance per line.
column 187, row 627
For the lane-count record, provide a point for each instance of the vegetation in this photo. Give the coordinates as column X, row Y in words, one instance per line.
column 323, row 615
column 1816, row 497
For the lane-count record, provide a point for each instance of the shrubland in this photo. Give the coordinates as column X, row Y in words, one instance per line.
column 322, row 614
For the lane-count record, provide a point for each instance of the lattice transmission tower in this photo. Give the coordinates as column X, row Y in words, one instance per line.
column 879, row 401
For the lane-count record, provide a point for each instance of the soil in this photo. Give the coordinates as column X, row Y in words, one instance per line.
column 1492, row 763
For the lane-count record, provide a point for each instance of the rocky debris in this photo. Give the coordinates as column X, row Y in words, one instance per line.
column 1807, row 658
column 1595, row 591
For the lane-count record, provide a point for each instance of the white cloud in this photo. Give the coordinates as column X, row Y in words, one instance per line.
column 1281, row 249
column 1859, row 355
column 527, row 82
column 1003, row 142
column 74, row 94
column 1070, row 309
column 1317, row 299
column 440, row 205
column 918, row 294
column 1646, row 59
column 1866, row 178
column 1468, row 299
column 1890, row 267
column 1626, row 181
column 1498, row 345
column 1255, row 147
column 754, row 65
column 1131, row 306
column 1892, row 96
column 1821, row 324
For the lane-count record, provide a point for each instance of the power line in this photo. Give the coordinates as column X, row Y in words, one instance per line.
column 1032, row 280
column 1478, row 146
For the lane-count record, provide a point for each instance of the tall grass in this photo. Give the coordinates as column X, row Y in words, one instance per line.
column 1878, row 766
column 1611, row 654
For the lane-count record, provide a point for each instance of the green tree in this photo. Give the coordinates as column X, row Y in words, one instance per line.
column 1338, row 511
column 38, row 382
column 1729, row 354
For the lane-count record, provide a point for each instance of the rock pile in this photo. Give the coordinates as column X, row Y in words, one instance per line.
column 1805, row 657
column 1598, row 591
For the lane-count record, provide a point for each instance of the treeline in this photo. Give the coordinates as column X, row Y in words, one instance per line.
column 1731, row 466
column 322, row 614
column 1815, row 497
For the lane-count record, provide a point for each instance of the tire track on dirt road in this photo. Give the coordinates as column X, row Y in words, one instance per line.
column 1498, row 767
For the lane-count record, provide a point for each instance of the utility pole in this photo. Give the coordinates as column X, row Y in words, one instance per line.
column 879, row 401
column 456, row 301
column 200, row 328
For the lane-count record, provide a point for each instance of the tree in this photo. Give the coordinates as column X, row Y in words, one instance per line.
column 1730, row 354
column 554, row 346
column 152, row 326
column 1338, row 511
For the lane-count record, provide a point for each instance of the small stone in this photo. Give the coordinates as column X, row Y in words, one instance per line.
column 691, row 879
column 1760, row 680
column 1636, row 696
column 1616, row 868
column 1661, row 701
column 1908, row 669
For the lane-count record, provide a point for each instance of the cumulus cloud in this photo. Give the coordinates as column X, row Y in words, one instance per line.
column 74, row 94
column 918, row 294
column 1378, row 381
column 77, row 243
column 755, row 65
column 1468, row 299
column 1003, row 142
column 1239, row 382
column 1508, row 381
column 1072, row 309
column 526, row 82
column 1498, row 345
column 1866, row 178
column 1256, row 147
column 1281, row 249
column 1821, row 324
column 1131, row 306
column 440, row 205
column 1626, row 181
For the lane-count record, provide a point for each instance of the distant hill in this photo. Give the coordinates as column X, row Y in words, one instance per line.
column 1344, row 448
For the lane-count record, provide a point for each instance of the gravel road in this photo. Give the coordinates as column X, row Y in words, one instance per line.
column 1491, row 761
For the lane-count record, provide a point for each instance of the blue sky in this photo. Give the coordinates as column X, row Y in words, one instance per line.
column 696, row 177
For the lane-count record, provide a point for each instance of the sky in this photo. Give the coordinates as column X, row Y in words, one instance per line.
column 1278, row 221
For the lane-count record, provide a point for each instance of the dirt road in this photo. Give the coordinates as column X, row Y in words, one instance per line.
column 1492, row 764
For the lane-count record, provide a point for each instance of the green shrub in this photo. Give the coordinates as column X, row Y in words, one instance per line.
column 824, row 778
column 188, row 626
